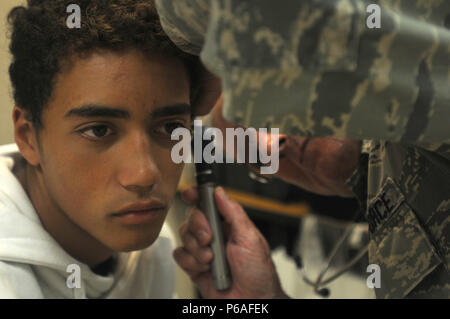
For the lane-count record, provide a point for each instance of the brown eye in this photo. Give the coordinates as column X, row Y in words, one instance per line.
column 167, row 128
column 170, row 127
column 98, row 131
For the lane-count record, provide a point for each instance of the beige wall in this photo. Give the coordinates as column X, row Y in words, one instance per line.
column 6, row 101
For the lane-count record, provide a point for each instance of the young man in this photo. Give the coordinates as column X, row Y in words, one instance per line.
column 83, row 200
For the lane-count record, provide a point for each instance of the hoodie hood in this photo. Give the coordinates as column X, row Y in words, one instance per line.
column 23, row 238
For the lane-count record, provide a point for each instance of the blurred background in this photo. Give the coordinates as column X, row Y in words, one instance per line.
column 6, row 101
column 295, row 222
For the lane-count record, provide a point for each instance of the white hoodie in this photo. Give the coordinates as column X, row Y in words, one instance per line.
column 34, row 265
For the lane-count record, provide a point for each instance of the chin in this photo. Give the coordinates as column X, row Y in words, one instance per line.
column 126, row 243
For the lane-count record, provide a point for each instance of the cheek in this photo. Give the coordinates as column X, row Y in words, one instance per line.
column 73, row 176
column 170, row 172
column 173, row 171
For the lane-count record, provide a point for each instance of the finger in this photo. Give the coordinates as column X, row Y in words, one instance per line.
column 197, row 224
column 196, row 236
column 203, row 255
column 240, row 229
column 194, row 229
column 190, row 195
column 230, row 210
column 189, row 242
column 188, row 262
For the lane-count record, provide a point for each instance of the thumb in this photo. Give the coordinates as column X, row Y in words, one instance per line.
column 241, row 227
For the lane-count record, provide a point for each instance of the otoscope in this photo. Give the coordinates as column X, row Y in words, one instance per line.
column 206, row 185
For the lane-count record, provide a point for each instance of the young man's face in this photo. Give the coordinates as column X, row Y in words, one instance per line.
column 105, row 144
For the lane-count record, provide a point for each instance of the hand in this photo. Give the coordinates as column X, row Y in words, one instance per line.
column 252, row 270
column 320, row 165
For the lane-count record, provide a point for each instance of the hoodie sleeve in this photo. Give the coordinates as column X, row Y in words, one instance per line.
column 17, row 281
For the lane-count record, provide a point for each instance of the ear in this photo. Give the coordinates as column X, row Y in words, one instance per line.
column 25, row 136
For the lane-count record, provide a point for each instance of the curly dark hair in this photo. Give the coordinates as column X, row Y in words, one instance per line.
column 41, row 42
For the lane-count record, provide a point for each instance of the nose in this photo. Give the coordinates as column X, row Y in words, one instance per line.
column 138, row 171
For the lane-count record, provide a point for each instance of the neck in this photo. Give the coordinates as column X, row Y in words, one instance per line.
column 73, row 239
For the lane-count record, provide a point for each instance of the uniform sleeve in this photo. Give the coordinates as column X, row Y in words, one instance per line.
column 325, row 68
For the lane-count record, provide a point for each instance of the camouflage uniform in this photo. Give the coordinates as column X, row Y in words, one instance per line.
column 314, row 68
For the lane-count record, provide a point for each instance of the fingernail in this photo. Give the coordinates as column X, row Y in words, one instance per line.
column 222, row 193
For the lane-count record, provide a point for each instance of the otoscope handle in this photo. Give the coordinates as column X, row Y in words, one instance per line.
column 207, row 204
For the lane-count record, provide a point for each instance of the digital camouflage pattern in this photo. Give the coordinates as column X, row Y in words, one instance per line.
column 314, row 68
column 408, row 206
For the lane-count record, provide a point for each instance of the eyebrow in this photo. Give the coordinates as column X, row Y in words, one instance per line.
column 94, row 110
column 170, row 110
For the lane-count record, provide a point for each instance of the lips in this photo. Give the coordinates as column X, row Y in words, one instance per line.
column 141, row 206
column 139, row 213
